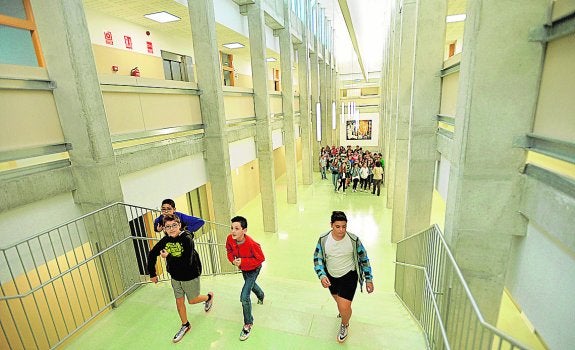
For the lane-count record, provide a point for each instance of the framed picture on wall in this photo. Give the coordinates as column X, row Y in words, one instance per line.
column 358, row 129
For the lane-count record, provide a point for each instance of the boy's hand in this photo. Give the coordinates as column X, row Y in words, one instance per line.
column 325, row 282
column 164, row 253
column 154, row 279
column 237, row 262
column 159, row 227
column 369, row 287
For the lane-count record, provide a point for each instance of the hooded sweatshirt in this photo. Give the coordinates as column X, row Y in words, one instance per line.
column 180, row 262
column 249, row 251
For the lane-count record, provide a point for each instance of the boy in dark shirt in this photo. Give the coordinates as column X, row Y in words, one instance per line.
column 177, row 247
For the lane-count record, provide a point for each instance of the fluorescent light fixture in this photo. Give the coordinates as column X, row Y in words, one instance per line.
column 235, row 45
column 455, row 18
column 333, row 120
column 271, row 59
column 162, row 17
column 318, row 121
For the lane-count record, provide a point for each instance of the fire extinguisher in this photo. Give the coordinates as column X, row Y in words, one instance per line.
column 135, row 72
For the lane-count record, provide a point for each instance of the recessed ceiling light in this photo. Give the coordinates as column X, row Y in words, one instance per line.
column 162, row 17
column 271, row 59
column 234, row 45
column 455, row 18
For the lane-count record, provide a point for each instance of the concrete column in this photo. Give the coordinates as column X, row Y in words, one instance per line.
column 390, row 161
column 323, row 101
column 405, row 75
column 287, row 102
column 429, row 51
column 70, row 63
column 337, row 99
column 304, row 111
column 256, row 24
column 212, row 106
column 314, row 79
column 498, row 89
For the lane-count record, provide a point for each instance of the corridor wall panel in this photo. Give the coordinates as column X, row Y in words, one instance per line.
column 148, row 187
column 555, row 115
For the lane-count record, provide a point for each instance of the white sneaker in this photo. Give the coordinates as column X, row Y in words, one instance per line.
column 342, row 335
column 181, row 333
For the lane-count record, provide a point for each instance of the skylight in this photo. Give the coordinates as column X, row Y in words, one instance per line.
column 455, row 18
column 234, row 45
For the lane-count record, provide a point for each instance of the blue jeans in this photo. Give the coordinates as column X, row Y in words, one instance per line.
column 250, row 285
column 334, row 178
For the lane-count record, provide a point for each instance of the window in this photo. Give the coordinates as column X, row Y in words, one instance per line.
column 227, row 61
column 177, row 67
column 19, row 41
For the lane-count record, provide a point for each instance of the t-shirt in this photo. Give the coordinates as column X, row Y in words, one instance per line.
column 339, row 256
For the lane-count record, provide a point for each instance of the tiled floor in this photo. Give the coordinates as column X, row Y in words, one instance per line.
column 298, row 313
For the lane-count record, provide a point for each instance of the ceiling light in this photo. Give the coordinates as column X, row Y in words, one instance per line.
column 271, row 59
column 455, row 18
column 234, row 45
column 162, row 17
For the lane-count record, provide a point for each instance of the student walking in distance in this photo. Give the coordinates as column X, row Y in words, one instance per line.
column 190, row 223
column 184, row 265
column 246, row 254
column 340, row 261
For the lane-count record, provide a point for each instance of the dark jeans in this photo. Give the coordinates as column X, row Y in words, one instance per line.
column 342, row 181
column 250, row 285
column 376, row 186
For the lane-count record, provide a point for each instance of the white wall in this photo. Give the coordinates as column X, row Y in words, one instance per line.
column 98, row 23
column 148, row 187
column 25, row 221
column 541, row 280
column 443, row 177
column 277, row 139
column 242, row 152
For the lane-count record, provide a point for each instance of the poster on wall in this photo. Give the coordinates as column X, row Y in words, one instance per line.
column 128, row 42
column 150, row 46
column 108, row 38
column 358, row 129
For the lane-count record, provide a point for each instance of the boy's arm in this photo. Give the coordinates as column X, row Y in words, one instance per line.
column 191, row 223
column 230, row 250
column 364, row 261
column 318, row 261
column 153, row 255
column 156, row 222
column 257, row 258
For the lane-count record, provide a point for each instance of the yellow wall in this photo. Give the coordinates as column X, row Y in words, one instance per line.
column 31, row 119
column 298, row 148
column 243, row 80
column 132, row 112
column 555, row 108
column 275, row 103
column 60, row 306
column 449, row 88
column 239, row 106
column 562, row 8
column 106, row 57
column 246, row 183
column 279, row 161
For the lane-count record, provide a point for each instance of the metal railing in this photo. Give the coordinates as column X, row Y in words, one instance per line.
column 431, row 285
column 55, row 282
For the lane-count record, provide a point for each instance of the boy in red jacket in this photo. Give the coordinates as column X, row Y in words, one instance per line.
column 246, row 254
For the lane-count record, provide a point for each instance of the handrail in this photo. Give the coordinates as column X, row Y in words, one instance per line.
column 55, row 282
column 420, row 236
column 432, row 293
column 62, row 274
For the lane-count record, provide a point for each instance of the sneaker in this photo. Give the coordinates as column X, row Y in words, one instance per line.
column 342, row 335
column 181, row 333
column 208, row 304
column 261, row 301
column 245, row 333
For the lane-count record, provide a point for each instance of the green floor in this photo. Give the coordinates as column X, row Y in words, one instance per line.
column 298, row 313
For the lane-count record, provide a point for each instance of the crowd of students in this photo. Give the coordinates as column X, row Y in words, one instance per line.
column 362, row 170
